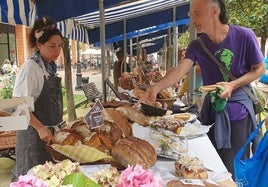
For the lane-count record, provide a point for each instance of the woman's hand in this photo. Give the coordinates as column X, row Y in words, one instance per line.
column 44, row 134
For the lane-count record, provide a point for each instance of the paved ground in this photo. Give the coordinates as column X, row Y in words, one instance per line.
column 94, row 75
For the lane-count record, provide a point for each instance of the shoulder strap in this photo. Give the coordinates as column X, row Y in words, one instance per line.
column 224, row 69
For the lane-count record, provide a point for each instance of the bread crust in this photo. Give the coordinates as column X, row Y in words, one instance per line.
column 133, row 151
column 133, row 115
column 66, row 137
column 120, row 121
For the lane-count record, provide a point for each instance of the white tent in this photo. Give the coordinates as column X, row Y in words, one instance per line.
column 92, row 51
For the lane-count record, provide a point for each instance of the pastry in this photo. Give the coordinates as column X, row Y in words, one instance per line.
column 190, row 168
column 182, row 116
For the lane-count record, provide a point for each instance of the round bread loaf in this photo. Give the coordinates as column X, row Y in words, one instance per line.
column 133, row 151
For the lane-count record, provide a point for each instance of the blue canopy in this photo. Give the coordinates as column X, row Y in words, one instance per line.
column 138, row 14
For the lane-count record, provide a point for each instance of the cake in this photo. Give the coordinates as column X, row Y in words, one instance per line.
column 190, row 168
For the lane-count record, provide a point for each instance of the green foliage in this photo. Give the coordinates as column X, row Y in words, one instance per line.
column 8, row 81
column 77, row 99
column 249, row 13
column 184, row 40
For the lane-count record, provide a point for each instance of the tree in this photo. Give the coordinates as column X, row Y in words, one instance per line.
column 252, row 14
column 68, row 81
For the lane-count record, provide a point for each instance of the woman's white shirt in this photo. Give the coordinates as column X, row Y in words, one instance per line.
column 29, row 80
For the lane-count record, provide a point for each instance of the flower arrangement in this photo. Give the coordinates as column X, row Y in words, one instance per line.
column 66, row 174
column 29, row 181
column 136, row 176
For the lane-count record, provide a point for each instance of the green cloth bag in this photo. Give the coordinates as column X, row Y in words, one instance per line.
column 217, row 103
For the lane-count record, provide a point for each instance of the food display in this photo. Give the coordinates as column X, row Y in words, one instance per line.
column 173, row 123
column 125, row 148
column 190, row 168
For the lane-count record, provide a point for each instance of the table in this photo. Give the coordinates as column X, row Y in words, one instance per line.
column 200, row 147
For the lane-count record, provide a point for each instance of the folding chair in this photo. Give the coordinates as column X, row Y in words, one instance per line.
column 91, row 92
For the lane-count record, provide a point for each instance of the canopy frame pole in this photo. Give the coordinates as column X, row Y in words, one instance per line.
column 175, row 39
column 102, row 43
column 192, row 73
column 125, row 41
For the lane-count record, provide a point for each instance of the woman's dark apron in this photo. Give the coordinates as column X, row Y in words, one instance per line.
column 48, row 108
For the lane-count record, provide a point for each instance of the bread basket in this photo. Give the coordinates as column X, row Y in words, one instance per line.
column 129, row 80
column 7, row 138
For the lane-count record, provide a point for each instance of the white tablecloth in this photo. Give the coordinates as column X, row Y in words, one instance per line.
column 200, row 147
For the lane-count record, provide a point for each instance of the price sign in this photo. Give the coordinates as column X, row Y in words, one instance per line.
column 94, row 117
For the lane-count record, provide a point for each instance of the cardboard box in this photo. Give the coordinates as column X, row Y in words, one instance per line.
column 19, row 108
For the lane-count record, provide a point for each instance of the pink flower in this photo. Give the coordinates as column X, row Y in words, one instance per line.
column 138, row 177
column 28, row 181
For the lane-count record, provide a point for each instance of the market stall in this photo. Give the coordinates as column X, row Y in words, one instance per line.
column 115, row 136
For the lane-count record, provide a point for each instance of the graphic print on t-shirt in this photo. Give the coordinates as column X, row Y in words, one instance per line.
column 226, row 57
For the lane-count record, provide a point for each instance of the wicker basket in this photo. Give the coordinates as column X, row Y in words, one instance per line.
column 168, row 101
column 8, row 139
column 58, row 157
column 129, row 82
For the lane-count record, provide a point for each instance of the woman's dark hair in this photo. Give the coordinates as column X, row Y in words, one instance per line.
column 223, row 17
column 43, row 29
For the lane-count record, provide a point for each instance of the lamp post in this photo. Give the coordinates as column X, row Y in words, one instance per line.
column 78, row 76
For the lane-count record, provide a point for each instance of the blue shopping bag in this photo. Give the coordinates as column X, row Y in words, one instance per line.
column 253, row 172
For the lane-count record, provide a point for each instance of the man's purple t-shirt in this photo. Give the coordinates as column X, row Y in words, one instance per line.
column 238, row 51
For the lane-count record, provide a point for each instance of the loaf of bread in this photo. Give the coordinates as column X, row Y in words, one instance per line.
column 81, row 128
column 133, row 151
column 67, row 137
column 92, row 140
column 114, row 104
column 133, row 115
column 118, row 119
column 109, row 134
column 190, row 168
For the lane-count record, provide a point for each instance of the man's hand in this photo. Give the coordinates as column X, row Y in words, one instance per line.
column 228, row 89
column 149, row 96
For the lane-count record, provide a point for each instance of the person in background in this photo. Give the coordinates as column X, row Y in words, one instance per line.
column 7, row 68
column 117, row 65
column 237, row 119
column 38, row 78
